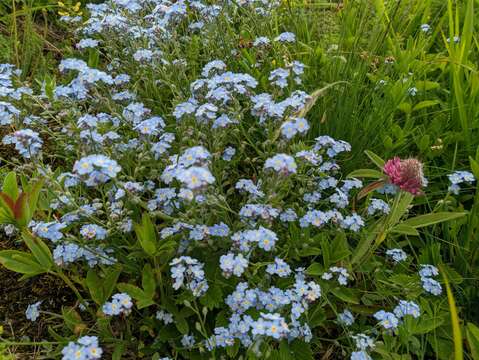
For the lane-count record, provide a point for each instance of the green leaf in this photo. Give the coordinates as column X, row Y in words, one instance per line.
column 166, row 333
column 21, row 262
column 366, row 173
column 109, row 282
column 10, row 186
column 101, row 288
column 365, row 245
column 315, row 95
column 143, row 303
column 301, row 350
column 317, row 317
column 149, row 226
column 95, row 288
column 405, row 107
column 325, row 247
column 22, row 211
column 284, row 351
column 424, row 143
column 103, row 326
column 213, row 297
column 375, row 159
column 143, row 299
column 315, row 269
column 72, row 318
column 472, row 335
column 404, row 230
column 7, row 206
column 93, row 58
column 388, row 142
column 456, row 327
column 426, row 85
column 148, row 281
column 5, row 218
column 181, row 324
column 55, row 335
column 467, row 29
column 452, row 275
column 50, row 85
column 346, row 294
column 33, row 195
column 232, row 351
column 309, row 251
column 39, row 250
column 146, row 234
column 431, row 219
column 118, row 352
column 386, row 353
column 339, row 248
column 474, row 167
column 426, row 325
column 425, row 104
column 399, row 207
column 132, row 290
column 370, row 188
column 442, row 347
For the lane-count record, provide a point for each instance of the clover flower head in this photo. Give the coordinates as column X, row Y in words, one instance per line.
column 406, row 174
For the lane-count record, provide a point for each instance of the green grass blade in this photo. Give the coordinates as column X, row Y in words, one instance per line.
column 456, row 327
column 472, row 335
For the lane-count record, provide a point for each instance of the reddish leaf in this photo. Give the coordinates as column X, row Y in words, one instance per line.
column 369, row 188
column 19, row 205
column 8, row 200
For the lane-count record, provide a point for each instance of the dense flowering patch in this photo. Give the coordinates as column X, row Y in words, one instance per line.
column 85, row 347
column 226, row 227
column 120, row 304
column 460, row 177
